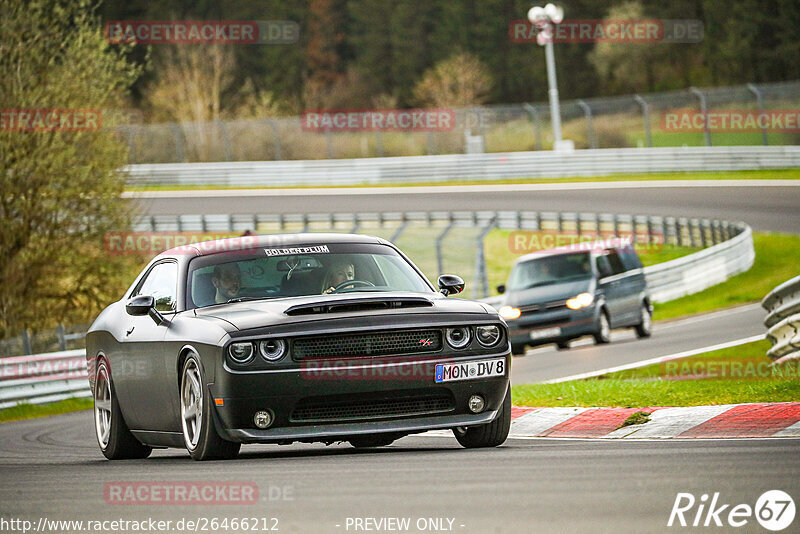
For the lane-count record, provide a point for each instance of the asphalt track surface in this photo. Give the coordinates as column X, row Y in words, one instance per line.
column 764, row 206
column 53, row 469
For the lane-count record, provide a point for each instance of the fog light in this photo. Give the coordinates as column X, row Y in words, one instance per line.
column 476, row 404
column 262, row 419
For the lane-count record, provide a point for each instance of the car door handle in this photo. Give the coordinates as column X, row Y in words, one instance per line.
column 129, row 332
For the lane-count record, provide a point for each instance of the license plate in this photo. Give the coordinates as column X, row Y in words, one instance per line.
column 449, row 372
column 545, row 332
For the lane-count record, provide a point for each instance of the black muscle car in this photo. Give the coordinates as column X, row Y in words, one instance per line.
column 309, row 338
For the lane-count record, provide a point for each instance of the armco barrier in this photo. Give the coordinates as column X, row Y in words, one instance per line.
column 54, row 376
column 783, row 319
column 492, row 166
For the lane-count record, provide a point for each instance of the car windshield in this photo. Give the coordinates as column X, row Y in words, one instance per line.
column 291, row 271
column 549, row 270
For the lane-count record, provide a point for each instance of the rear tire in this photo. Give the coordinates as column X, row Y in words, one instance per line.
column 113, row 436
column 602, row 334
column 563, row 345
column 199, row 434
column 491, row 434
column 645, row 327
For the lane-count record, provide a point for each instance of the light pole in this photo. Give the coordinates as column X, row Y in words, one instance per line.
column 544, row 18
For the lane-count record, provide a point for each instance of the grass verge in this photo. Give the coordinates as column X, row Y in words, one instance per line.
column 735, row 375
column 31, row 411
column 777, row 174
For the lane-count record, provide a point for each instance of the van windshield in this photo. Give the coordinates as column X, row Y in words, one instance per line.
column 549, row 270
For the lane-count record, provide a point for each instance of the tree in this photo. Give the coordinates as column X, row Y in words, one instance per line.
column 59, row 190
column 459, row 81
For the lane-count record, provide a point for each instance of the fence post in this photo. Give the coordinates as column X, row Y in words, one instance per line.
column 329, row 144
column 481, row 273
column 704, row 110
column 591, row 138
column 278, row 148
column 537, row 125
column 62, row 342
column 379, row 143
column 26, row 342
column 226, row 140
column 760, row 105
column 646, row 117
column 439, row 241
column 178, row 137
column 401, row 229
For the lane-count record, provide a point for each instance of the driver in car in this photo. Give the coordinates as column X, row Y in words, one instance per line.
column 227, row 279
column 340, row 271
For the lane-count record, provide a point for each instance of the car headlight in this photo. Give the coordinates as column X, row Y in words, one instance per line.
column 487, row 336
column 507, row 312
column 581, row 301
column 272, row 349
column 241, row 352
column 458, row 338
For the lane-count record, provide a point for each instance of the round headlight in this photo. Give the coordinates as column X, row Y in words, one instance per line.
column 272, row 349
column 458, row 338
column 487, row 335
column 241, row 352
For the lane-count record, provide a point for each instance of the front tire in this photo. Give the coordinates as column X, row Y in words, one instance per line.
column 645, row 327
column 602, row 334
column 199, row 434
column 488, row 435
column 115, row 439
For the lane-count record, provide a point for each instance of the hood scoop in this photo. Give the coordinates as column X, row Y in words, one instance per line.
column 361, row 304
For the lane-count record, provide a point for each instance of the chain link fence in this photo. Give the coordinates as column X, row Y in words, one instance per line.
column 614, row 122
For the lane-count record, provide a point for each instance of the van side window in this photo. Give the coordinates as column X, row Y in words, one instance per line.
column 615, row 262
column 630, row 260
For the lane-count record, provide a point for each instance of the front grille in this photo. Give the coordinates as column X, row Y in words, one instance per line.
column 367, row 344
column 322, row 409
column 545, row 306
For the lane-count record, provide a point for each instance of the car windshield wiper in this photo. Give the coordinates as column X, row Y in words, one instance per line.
column 537, row 284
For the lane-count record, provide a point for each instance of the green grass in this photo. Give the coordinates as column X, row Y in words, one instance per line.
column 777, row 260
column 776, row 174
column 30, row 411
column 676, row 384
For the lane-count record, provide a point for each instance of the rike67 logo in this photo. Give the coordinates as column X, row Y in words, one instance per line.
column 774, row 510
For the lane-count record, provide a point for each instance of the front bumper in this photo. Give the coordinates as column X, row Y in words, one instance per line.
column 570, row 324
column 284, row 392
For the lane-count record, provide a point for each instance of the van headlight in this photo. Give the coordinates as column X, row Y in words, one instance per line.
column 581, row 301
column 507, row 312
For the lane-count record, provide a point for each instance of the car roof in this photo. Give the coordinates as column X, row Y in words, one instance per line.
column 217, row 246
column 576, row 248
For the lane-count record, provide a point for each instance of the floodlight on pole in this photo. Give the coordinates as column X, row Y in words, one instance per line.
column 545, row 18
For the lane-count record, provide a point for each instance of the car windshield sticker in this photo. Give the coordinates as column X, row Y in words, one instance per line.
column 321, row 249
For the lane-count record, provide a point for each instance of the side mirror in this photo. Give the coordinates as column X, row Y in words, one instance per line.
column 144, row 305
column 450, row 284
column 501, row 289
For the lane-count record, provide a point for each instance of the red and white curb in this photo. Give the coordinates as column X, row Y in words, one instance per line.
column 763, row 420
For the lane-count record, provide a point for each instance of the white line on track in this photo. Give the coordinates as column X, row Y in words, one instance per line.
column 483, row 188
column 659, row 359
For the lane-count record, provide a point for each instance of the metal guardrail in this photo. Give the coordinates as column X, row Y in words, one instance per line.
column 55, row 376
column 783, row 319
column 43, row 377
column 494, row 166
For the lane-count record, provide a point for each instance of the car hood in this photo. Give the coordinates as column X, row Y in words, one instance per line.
column 559, row 291
column 257, row 313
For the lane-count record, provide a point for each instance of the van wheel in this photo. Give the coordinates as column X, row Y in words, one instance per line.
column 517, row 349
column 602, row 334
column 563, row 345
column 645, row 326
